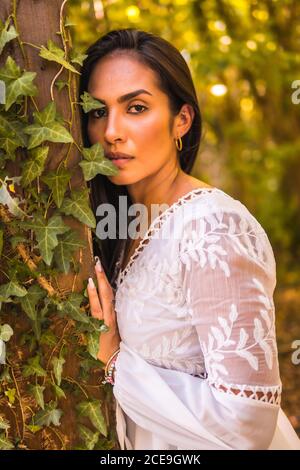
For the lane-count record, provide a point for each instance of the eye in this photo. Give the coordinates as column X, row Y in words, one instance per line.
column 93, row 113
column 138, row 106
column 101, row 111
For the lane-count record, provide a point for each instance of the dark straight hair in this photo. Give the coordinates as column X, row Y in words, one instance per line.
column 175, row 80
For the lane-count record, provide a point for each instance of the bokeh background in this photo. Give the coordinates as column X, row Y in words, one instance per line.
column 244, row 56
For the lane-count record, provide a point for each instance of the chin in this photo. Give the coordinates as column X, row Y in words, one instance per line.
column 122, row 180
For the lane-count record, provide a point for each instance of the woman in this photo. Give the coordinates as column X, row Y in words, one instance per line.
column 191, row 350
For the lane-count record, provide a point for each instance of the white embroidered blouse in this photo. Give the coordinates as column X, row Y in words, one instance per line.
column 198, row 366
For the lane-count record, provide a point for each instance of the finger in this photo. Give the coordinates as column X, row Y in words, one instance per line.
column 105, row 293
column 95, row 305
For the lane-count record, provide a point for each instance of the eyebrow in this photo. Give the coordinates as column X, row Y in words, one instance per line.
column 128, row 96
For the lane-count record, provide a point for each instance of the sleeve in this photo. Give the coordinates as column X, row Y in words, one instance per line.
column 228, row 277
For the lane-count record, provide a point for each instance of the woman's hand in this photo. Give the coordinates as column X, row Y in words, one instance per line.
column 102, row 307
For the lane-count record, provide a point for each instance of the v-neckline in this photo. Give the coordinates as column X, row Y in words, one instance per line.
column 189, row 196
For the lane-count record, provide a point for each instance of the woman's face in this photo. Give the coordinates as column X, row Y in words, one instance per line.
column 141, row 126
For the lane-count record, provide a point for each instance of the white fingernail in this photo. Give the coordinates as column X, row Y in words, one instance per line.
column 98, row 264
column 91, row 282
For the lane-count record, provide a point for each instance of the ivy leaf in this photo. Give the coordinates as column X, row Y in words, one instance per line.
column 58, row 363
column 29, row 301
column 71, row 308
column 56, row 54
column 98, row 325
column 4, row 424
column 47, row 126
column 48, row 115
column 13, row 127
column 89, row 103
column 92, row 409
column 10, row 71
column 95, row 163
column 7, row 33
column 10, row 393
column 12, row 134
column 46, row 234
column 50, row 415
column 49, row 338
column 68, row 244
column 34, row 166
column 23, row 86
column 33, row 428
column 60, row 84
column 93, row 344
column 57, row 181
column 12, row 288
column 54, row 132
column 6, row 332
column 78, row 207
column 33, row 367
column 5, row 444
column 38, row 393
column 89, row 437
column 58, row 391
column 77, row 57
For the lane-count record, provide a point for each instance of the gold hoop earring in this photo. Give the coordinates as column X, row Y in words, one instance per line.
column 178, row 143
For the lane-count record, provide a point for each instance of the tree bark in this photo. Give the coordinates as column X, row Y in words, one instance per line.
column 37, row 22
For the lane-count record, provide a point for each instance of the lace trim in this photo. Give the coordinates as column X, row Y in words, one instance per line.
column 191, row 195
column 268, row 394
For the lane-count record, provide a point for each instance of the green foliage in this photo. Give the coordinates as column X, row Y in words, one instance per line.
column 34, row 166
column 68, row 244
column 35, row 379
column 7, row 33
column 17, row 83
column 89, row 103
column 78, row 206
column 90, row 438
column 92, row 410
column 33, row 367
column 47, row 127
column 94, row 163
column 50, row 415
column 46, row 233
column 56, row 54
column 57, row 181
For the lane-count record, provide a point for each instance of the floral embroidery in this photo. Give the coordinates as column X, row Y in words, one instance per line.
column 219, row 339
column 225, row 346
column 202, row 245
column 164, row 353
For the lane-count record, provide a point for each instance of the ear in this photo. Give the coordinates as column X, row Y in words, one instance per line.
column 183, row 121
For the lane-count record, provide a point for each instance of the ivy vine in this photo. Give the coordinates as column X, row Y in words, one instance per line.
column 36, row 246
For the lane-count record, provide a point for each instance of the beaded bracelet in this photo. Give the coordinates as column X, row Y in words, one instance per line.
column 108, row 377
column 109, row 360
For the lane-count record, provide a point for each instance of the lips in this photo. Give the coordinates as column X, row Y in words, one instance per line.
column 118, row 156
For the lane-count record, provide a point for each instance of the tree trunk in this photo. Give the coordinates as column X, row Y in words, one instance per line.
column 36, row 23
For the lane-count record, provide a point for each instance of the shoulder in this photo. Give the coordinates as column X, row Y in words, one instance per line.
column 213, row 222
column 212, row 204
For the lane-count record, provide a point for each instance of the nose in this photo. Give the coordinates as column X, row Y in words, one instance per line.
column 114, row 130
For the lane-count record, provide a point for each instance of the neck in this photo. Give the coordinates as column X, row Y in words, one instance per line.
column 157, row 189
